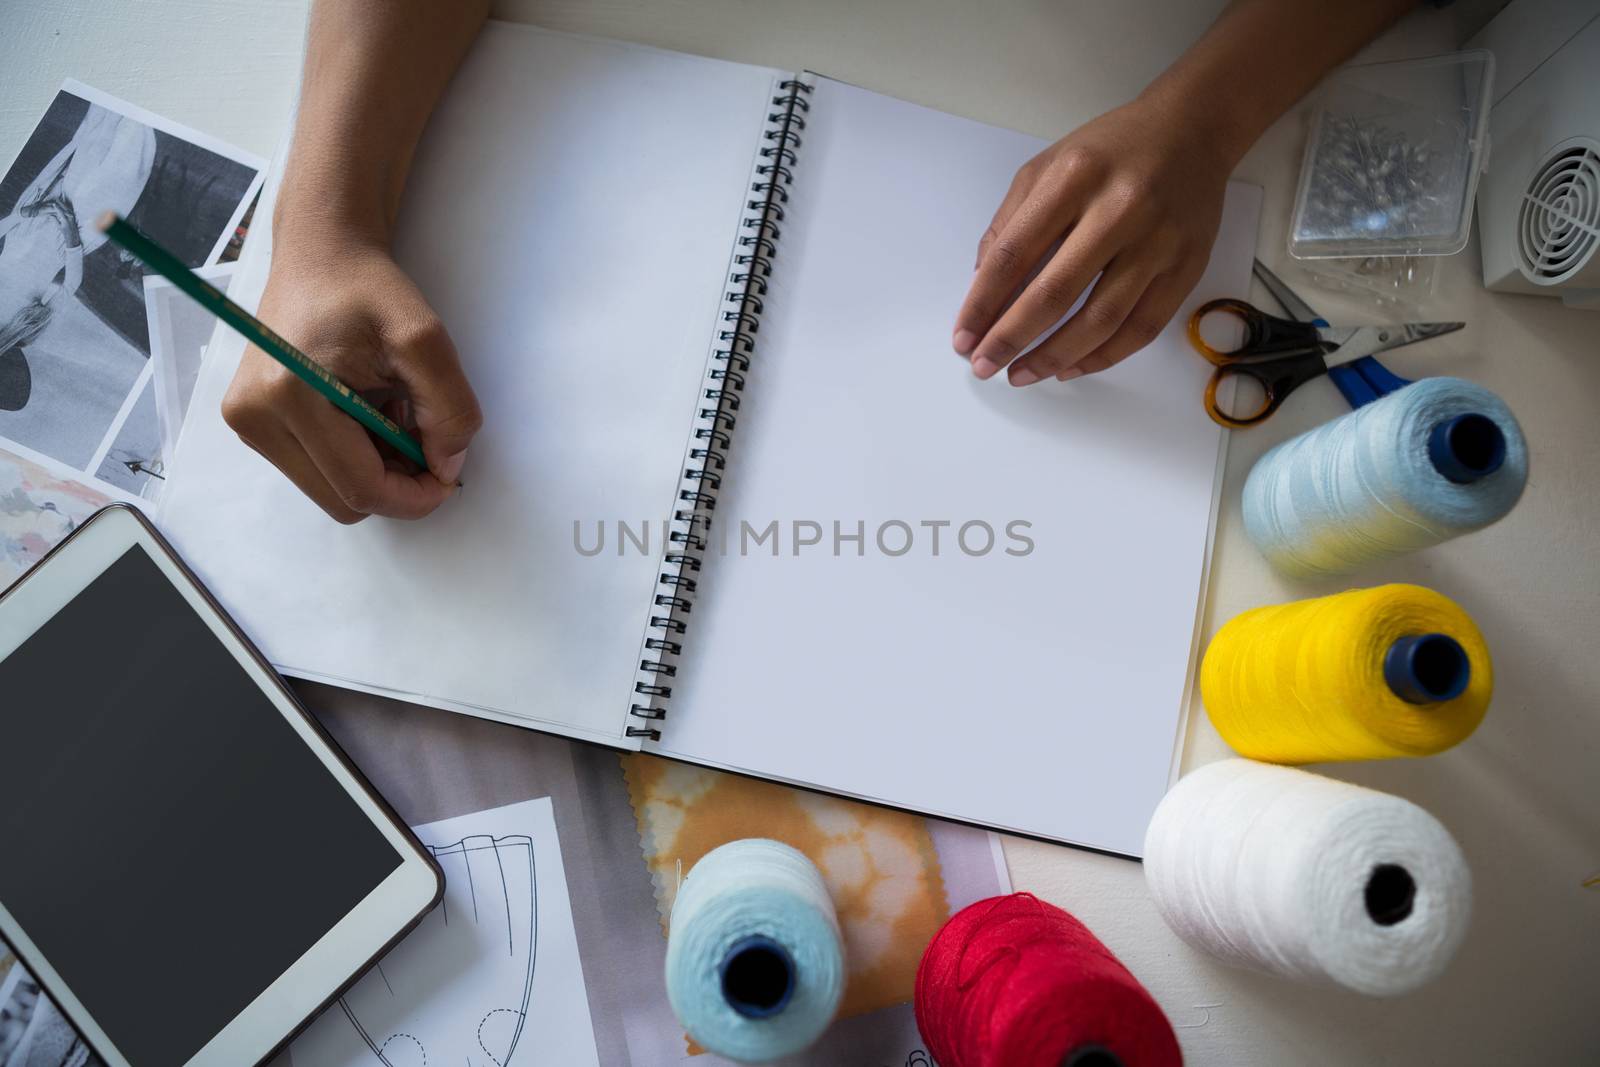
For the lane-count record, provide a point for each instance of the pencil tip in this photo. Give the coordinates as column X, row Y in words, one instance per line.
column 103, row 223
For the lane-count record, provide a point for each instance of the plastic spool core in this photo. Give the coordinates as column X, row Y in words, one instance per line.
column 1467, row 447
column 1426, row 668
column 757, row 977
column 1390, row 894
column 1091, row 1056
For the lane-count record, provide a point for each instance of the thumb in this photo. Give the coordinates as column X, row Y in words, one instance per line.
column 442, row 401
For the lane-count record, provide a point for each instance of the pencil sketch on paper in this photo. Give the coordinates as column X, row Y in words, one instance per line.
column 466, row 985
column 502, row 906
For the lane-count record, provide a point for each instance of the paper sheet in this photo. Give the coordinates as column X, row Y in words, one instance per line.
column 1006, row 636
column 570, row 216
column 180, row 330
column 491, row 978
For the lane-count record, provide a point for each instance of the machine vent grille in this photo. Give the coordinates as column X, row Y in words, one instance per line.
column 1558, row 227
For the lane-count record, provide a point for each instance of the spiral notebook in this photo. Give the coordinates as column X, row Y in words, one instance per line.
column 735, row 500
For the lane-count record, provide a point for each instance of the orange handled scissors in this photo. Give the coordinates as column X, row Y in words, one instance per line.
column 1283, row 354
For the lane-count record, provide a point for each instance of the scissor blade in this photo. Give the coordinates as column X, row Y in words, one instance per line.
column 1286, row 297
column 1421, row 331
column 1355, row 342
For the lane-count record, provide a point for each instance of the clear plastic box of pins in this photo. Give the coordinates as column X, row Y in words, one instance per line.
column 1390, row 171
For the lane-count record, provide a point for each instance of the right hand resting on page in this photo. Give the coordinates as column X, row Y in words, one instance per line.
column 347, row 304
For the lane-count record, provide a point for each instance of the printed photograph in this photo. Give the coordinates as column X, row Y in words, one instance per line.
column 74, row 338
column 235, row 246
column 134, row 459
column 33, row 1032
column 180, row 330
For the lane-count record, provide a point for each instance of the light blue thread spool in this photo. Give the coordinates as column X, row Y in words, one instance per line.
column 755, row 960
column 1437, row 459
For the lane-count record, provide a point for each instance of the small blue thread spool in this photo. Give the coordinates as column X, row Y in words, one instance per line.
column 755, row 958
column 1427, row 668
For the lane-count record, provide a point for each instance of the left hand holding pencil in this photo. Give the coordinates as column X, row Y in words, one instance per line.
column 349, row 305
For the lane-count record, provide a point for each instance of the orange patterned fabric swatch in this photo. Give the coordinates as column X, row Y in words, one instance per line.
column 880, row 866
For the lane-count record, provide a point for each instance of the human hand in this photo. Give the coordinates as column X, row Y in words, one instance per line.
column 1134, row 196
column 348, row 305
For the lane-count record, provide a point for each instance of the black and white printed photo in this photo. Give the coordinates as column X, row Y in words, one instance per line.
column 135, row 453
column 74, row 339
column 33, row 1032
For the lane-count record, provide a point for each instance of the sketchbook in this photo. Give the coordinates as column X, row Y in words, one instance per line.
column 735, row 500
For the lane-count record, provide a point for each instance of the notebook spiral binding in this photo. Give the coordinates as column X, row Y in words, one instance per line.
column 743, row 305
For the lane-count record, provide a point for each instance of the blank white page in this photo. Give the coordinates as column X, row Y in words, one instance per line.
column 1040, row 693
column 570, row 215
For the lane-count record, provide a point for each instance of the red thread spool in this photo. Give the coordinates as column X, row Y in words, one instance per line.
column 1015, row 982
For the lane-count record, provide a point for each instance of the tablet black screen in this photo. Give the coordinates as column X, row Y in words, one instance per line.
column 171, row 844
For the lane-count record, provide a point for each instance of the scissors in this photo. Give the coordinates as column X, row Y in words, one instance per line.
column 1283, row 354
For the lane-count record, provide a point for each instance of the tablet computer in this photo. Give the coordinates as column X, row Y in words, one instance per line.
column 192, row 869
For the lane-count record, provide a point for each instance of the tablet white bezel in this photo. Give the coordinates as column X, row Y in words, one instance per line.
column 325, row 969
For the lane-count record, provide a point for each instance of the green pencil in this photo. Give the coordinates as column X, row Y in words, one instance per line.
column 256, row 332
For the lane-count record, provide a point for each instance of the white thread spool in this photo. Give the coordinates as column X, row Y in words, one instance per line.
column 755, row 958
column 1307, row 877
column 1437, row 459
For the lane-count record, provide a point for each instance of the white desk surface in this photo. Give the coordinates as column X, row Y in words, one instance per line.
column 1521, row 795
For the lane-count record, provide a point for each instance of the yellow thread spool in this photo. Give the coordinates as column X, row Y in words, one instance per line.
column 1397, row 670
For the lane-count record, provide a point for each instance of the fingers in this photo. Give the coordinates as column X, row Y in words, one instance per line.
column 1050, row 295
column 1031, row 228
column 366, row 322
column 327, row 454
column 1021, row 183
column 1101, row 315
column 966, row 339
column 280, row 449
column 351, row 464
column 1143, row 325
column 422, row 357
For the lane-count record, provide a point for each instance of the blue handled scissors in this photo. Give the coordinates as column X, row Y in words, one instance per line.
column 1283, row 354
